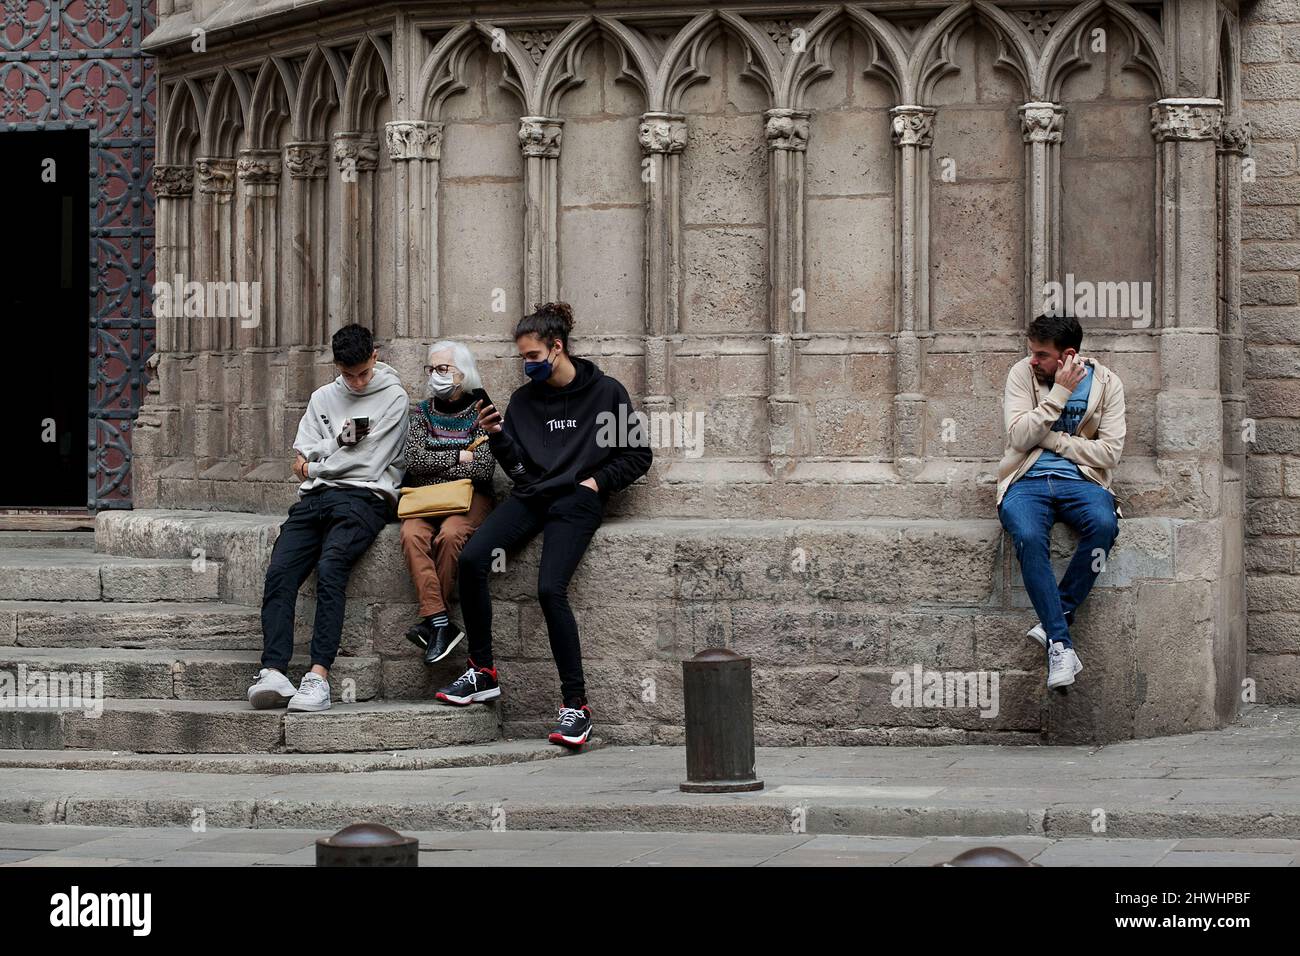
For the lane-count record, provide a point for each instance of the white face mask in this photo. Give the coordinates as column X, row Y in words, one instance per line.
column 442, row 385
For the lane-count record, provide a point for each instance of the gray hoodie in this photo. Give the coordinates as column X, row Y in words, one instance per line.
column 376, row 462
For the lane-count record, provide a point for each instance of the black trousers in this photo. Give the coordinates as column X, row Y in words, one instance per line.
column 328, row 530
column 567, row 523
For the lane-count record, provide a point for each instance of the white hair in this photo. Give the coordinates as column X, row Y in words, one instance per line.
column 462, row 358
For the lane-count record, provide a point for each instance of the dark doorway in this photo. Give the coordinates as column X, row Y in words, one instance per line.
column 45, row 297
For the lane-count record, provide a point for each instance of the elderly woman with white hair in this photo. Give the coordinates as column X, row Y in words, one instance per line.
column 438, row 438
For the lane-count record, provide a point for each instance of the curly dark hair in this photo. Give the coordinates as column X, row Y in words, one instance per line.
column 548, row 321
column 1063, row 331
column 352, row 345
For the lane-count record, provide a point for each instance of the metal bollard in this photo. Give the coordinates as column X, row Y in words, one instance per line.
column 719, row 693
column 367, row 844
column 987, row 856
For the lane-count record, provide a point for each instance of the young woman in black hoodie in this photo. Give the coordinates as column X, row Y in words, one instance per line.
column 569, row 442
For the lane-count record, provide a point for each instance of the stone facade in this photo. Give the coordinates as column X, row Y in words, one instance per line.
column 823, row 228
column 1270, row 265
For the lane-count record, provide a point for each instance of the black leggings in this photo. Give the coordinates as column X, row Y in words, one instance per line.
column 567, row 523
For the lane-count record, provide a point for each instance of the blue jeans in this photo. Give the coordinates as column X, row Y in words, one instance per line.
column 1028, row 510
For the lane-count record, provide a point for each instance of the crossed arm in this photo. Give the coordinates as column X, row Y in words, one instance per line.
column 1029, row 426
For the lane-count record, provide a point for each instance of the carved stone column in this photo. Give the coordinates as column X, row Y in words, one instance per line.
column 259, row 172
column 1233, row 145
column 1040, row 126
column 786, row 132
column 415, row 147
column 539, row 137
column 357, row 155
column 1188, row 410
column 173, row 185
column 663, row 138
column 216, row 179
column 306, row 164
column 913, row 134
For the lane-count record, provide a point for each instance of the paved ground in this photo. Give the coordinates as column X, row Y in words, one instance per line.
column 1240, row 782
column 31, row 845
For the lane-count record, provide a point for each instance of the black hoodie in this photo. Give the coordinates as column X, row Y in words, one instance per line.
column 548, row 443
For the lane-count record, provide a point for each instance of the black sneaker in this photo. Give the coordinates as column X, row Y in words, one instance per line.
column 476, row 685
column 420, row 632
column 574, row 727
column 442, row 641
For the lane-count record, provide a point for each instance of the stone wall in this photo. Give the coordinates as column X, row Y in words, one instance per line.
column 822, row 231
column 1270, row 263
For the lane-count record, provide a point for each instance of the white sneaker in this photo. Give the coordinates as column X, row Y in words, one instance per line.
column 1062, row 664
column 1038, row 634
column 313, row 693
column 271, row 689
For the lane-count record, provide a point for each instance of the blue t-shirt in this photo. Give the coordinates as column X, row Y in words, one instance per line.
column 1049, row 462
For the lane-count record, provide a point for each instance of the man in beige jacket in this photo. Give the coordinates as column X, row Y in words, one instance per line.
column 1064, row 417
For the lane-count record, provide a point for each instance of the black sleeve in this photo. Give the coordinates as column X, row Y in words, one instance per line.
column 504, row 447
column 628, row 462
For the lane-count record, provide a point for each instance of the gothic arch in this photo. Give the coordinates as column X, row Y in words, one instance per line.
column 182, row 133
column 368, row 81
column 270, row 104
column 803, row 69
column 320, row 90
column 682, row 65
column 226, row 114
column 443, row 72
column 560, row 69
column 1063, row 54
column 933, row 57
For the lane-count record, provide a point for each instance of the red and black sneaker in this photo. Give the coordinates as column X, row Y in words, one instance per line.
column 574, row 727
column 476, row 685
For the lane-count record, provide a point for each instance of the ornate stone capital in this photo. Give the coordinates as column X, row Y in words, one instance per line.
column 1235, row 135
column 259, row 165
column 356, row 152
column 787, row 129
column 1042, row 122
column 305, row 160
column 662, row 132
column 173, row 180
column 540, row 136
column 912, row 126
column 1186, row 119
column 413, row 139
column 216, row 175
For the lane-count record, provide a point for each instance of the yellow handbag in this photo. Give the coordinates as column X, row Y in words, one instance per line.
column 433, row 501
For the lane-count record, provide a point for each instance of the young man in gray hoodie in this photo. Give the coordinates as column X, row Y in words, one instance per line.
column 350, row 447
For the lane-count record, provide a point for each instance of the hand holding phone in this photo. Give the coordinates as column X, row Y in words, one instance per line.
column 354, row 429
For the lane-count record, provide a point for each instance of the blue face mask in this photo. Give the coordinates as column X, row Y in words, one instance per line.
column 539, row 371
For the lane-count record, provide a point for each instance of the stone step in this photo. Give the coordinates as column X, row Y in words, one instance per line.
column 75, row 574
column 226, row 727
column 494, row 754
column 82, row 540
column 170, row 674
column 173, row 625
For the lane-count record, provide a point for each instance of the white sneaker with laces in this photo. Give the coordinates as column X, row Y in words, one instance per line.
column 313, row 693
column 1062, row 664
column 271, row 689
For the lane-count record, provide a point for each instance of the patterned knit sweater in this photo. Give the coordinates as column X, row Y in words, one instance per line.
column 438, row 432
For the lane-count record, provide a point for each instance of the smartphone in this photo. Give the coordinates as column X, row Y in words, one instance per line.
column 362, row 423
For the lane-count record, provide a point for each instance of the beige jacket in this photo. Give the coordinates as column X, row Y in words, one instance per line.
column 1029, row 410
